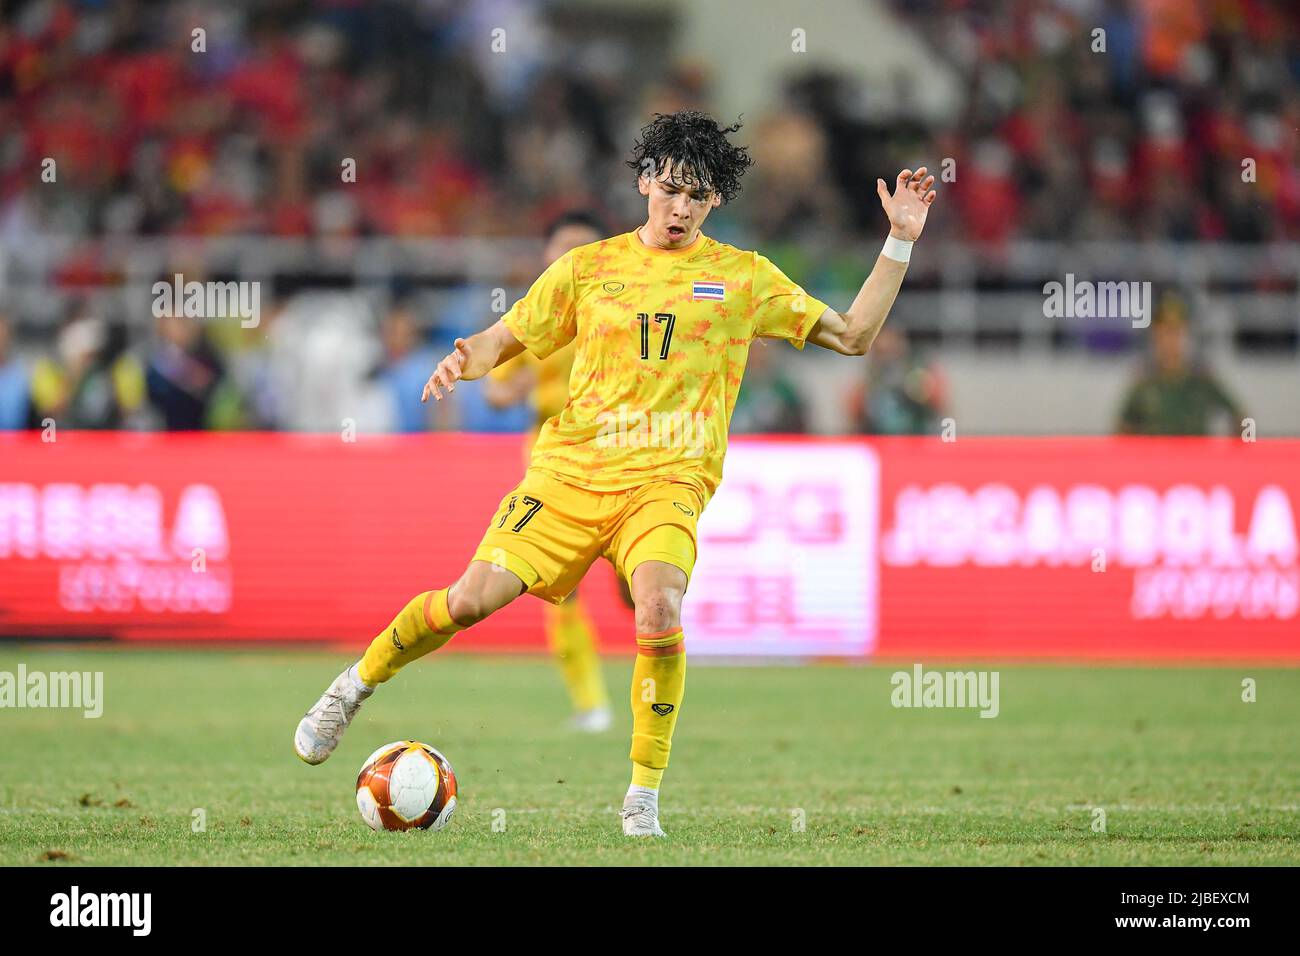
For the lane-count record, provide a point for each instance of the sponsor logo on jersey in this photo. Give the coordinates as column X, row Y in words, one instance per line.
column 613, row 288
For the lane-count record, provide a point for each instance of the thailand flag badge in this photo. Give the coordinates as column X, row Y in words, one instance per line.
column 708, row 291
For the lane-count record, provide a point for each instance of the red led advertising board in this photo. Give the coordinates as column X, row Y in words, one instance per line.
column 1121, row 549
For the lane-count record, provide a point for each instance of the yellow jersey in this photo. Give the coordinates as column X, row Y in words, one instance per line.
column 660, row 338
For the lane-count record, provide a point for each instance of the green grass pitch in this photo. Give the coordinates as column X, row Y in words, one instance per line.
column 1186, row 772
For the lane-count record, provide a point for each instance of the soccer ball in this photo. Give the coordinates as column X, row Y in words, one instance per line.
column 406, row 785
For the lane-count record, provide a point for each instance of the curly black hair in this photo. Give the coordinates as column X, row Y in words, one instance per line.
column 695, row 148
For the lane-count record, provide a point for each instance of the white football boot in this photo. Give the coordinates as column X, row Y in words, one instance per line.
column 641, row 817
column 320, row 731
column 594, row 721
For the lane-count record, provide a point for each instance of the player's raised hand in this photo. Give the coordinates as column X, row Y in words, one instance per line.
column 449, row 371
column 910, row 203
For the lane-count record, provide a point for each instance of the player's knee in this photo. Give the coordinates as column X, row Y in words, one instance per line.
column 658, row 609
column 657, row 589
column 466, row 606
column 477, row 595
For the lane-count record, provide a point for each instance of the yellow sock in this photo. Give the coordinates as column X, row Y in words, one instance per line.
column 422, row 626
column 658, row 685
column 573, row 642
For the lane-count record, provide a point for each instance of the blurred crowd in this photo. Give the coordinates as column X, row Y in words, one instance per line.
column 1056, row 138
column 1122, row 119
column 314, row 366
column 252, row 128
column 314, row 369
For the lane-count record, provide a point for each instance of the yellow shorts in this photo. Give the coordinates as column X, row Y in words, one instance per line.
column 548, row 532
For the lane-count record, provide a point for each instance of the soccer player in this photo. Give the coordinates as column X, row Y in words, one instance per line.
column 544, row 383
column 662, row 318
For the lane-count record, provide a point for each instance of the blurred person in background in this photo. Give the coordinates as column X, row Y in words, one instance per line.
column 901, row 393
column 796, row 198
column 15, row 401
column 1174, row 395
column 768, row 403
column 248, row 397
column 91, row 381
column 183, row 374
column 544, row 385
column 405, row 366
column 322, row 353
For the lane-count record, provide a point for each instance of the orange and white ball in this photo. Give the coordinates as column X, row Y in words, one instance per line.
column 406, row 785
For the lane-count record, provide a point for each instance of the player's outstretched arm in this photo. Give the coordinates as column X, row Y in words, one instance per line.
column 852, row 332
column 472, row 358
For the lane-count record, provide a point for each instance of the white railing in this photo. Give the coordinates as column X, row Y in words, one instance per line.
column 958, row 294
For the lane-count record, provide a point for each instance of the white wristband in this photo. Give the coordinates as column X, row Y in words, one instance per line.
column 900, row 250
